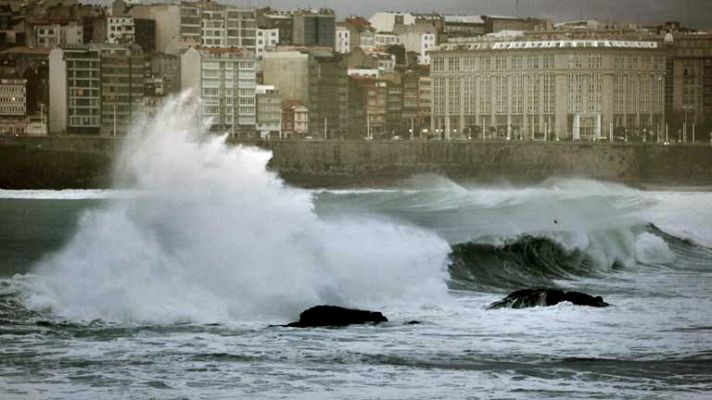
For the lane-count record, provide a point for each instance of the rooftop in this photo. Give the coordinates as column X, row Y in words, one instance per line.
column 221, row 50
column 40, row 51
column 464, row 19
column 549, row 44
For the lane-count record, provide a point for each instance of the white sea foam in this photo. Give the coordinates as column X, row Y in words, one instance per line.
column 606, row 221
column 683, row 214
column 571, row 211
column 651, row 249
column 216, row 237
column 67, row 194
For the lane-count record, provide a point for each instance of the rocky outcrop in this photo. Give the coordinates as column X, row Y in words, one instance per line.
column 326, row 316
column 546, row 297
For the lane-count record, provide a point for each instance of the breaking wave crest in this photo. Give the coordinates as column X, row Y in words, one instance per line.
column 528, row 261
column 540, row 261
column 509, row 237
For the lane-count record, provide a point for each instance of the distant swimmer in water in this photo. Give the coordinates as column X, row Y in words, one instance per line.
column 555, row 221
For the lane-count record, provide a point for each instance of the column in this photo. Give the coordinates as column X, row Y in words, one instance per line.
column 577, row 127
column 461, row 125
column 509, row 82
column 526, row 81
column 446, row 134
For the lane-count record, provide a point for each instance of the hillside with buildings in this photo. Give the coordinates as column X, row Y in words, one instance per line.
column 73, row 69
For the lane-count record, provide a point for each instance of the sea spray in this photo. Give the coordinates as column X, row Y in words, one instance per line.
column 213, row 236
column 598, row 222
column 652, row 249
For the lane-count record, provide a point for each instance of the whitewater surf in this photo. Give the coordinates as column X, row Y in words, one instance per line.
column 165, row 287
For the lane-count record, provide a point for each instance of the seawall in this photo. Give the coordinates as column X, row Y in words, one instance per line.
column 369, row 163
column 73, row 162
column 27, row 167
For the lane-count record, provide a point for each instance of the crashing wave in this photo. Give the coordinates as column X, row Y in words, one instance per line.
column 541, row 261
column 216, row 237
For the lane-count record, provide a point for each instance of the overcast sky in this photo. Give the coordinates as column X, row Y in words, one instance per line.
column 694, row 13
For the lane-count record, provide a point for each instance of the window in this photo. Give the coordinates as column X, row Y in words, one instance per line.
column 532, row 62
column 618, row 62
column 500, row 94
column 517, row 94
column 633, row 62
column 533, row 94
column 485, row 63
column 517, row 62
column 549, row 94
column 595, row 61
column 438, row 64
column 453, row 64
column 500, row 63
column 469, row 63
column 548, row 61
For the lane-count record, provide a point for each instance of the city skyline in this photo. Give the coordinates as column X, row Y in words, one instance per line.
column 357, row 78
column 694, row 13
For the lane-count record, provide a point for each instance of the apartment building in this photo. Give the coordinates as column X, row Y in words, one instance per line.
column 225, row 80
column 52, row 35
column 295, row 119
column 220, row 26
column 13, row 105
column 267, row 40
column 269, row 111
column 342, row 43
column 120, row 30
column 314, row 28
column 328, row 94
column 75, row 90
column 688, row 85
column 122, row 88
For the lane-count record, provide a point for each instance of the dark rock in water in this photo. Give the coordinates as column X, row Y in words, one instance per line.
column 336, row 316
column 546, row 297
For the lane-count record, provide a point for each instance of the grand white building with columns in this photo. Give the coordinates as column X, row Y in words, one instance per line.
column 548, row 89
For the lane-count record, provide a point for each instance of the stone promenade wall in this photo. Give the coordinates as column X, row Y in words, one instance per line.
column 57, row 162
column 518, row 162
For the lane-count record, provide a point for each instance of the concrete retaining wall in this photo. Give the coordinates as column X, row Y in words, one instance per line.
column 84, row 162
column 371, row 162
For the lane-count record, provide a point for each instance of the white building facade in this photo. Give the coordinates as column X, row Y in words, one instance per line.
column 227, row 27
column 385, row 39
column 419, row 42
column 342, row 44
column 548, row 90
column 367, row 38
column 75, row 90
column 267, row 40
column 387, row 21
column 269, row 111
column 120, row 30
column 226, row 81
column 56, row 35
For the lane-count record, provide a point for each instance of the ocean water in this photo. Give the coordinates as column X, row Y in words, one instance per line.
column 166, row 288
